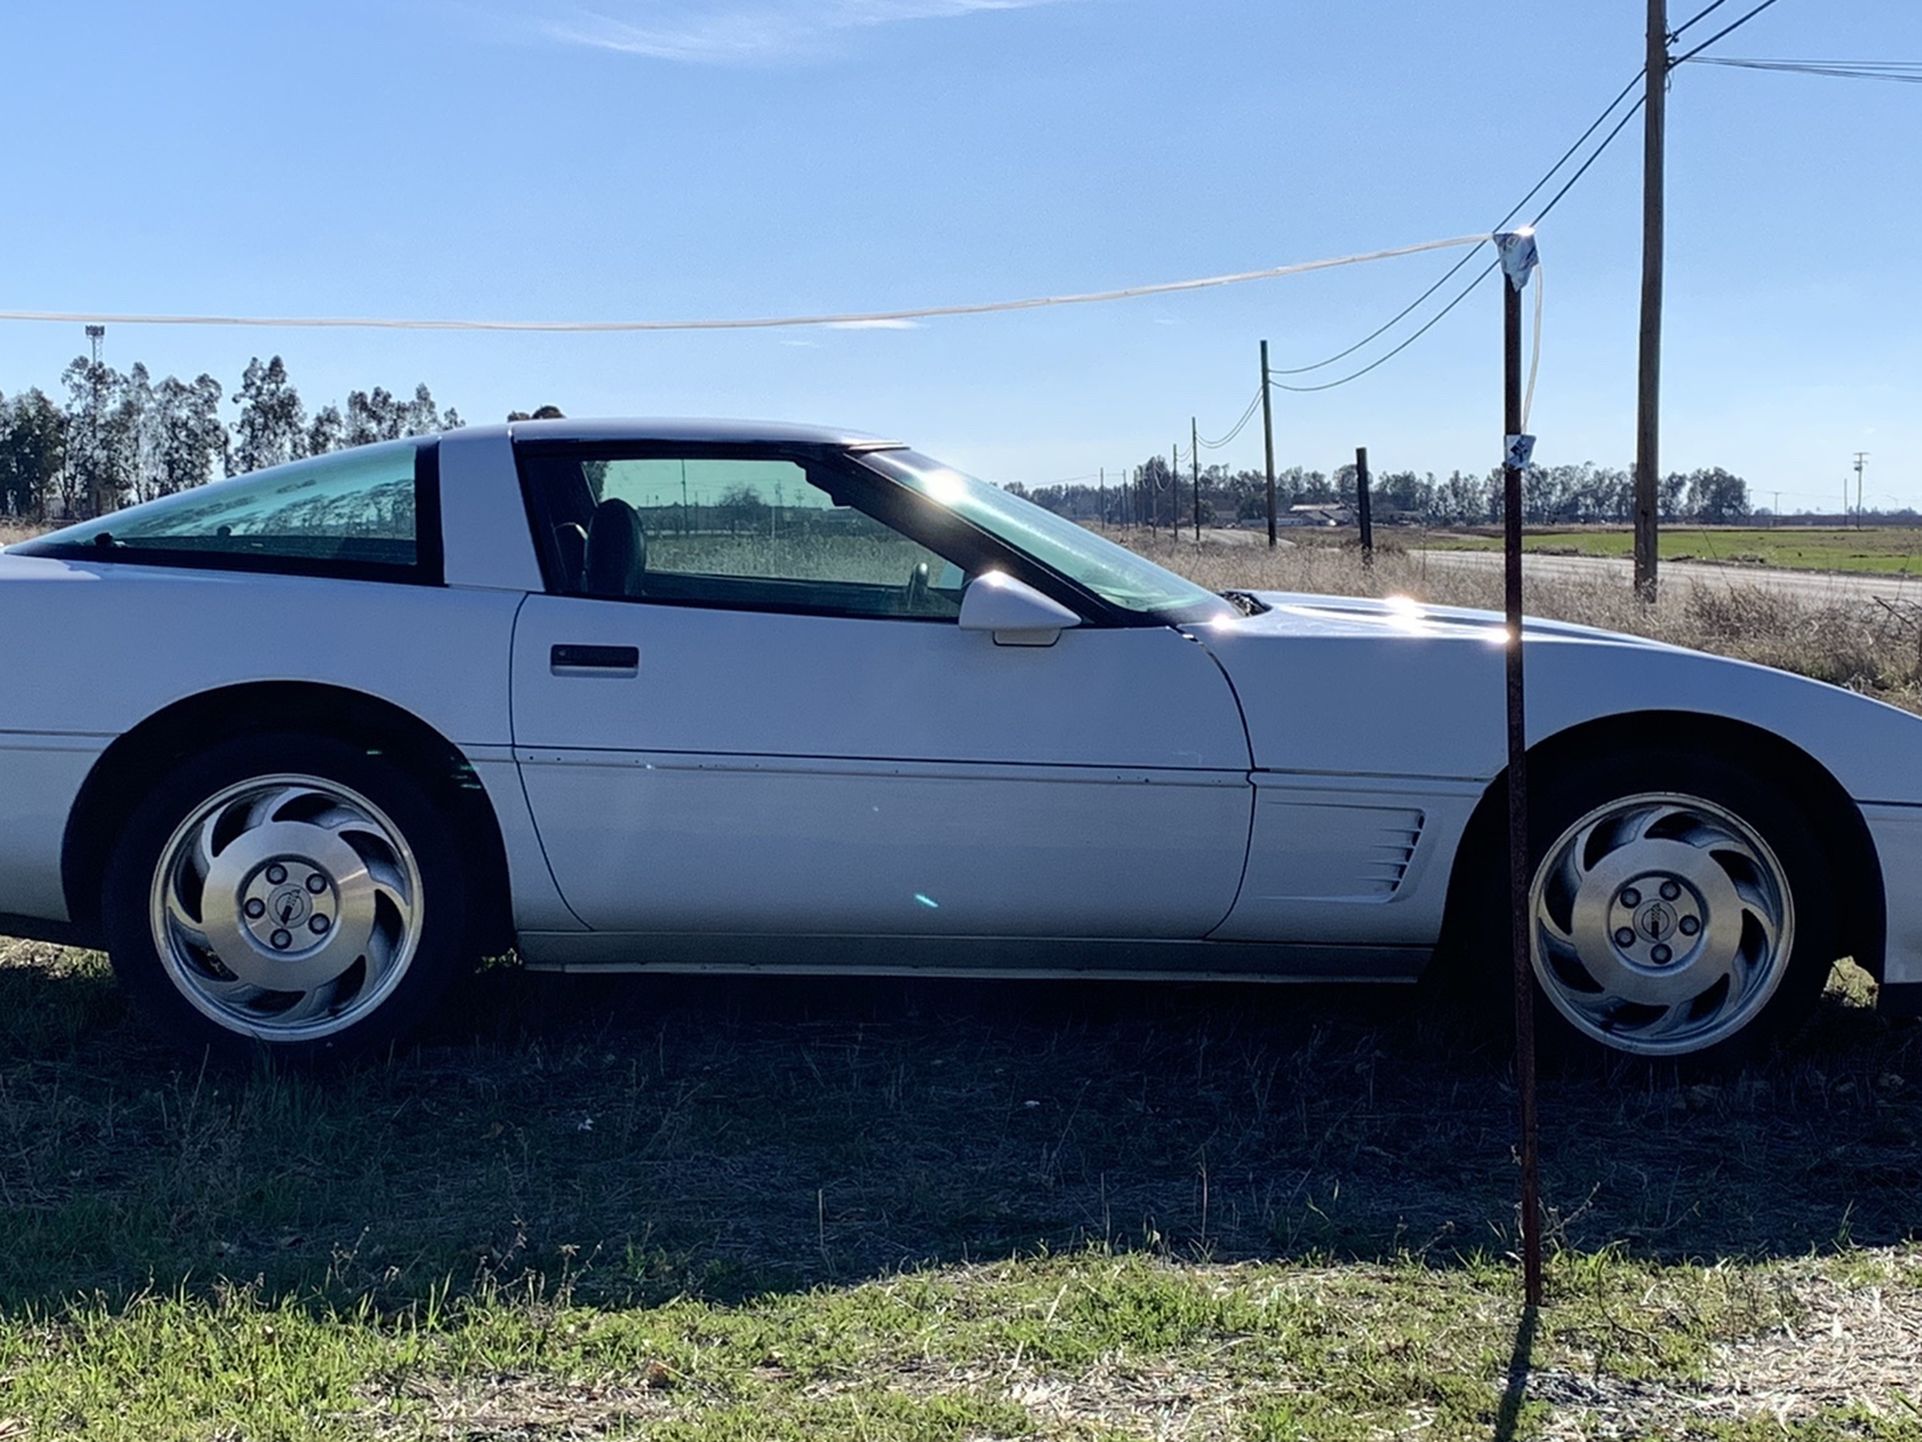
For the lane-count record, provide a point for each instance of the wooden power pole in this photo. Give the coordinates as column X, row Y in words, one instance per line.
column 1648, row 394
column 1194, row 459
column 1364, row 512
column 1174, row 491
column 1268, row 442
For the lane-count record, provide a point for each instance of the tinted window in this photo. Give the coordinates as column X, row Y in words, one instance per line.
column 357, row 508
column 739, row 531
column 1114, row 573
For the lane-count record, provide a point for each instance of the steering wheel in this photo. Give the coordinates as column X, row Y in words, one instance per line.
column 914, row 595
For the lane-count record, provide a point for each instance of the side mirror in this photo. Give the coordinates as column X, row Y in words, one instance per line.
column 1016, row 613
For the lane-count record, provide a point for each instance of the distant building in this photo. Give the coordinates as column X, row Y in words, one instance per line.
column 1318, row 514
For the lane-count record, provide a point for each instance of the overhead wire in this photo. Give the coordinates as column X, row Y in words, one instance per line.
column 1905, row 72
column 1455, row 269
column 1380, row 360
column 1702, row 14
column 1554, row 200
column 1541, row 215
column 1581, row 170
column 1246, row 416
column 852, row 320
column 1729, row 29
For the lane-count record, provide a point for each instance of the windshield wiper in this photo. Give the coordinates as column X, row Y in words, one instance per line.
column 1244, row 602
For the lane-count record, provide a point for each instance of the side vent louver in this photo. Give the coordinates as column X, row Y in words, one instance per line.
column 1386, row 858
column 1313, row 850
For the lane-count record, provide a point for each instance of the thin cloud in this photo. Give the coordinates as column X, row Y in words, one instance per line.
column 874, row 325
column 753, row 32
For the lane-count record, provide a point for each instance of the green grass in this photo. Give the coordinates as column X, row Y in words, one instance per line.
column 1091, row 1345
column 726, row 1209
column 1878, row 549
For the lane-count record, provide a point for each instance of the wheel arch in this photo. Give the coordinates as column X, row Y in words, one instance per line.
column 1855, row 867
column 119, row 779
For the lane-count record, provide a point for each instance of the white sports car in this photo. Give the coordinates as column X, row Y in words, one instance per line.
column 294, row 747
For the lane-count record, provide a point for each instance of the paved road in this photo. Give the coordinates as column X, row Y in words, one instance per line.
column 1815, row 586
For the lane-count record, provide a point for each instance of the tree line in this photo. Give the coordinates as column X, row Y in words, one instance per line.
column 117, row 437
column 1551, row 495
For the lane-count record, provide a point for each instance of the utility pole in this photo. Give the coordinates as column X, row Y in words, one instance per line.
column 1775, row 511
column 1364, row 513
column 1101, row 506
column 1268, row 443
column 96, row 491
column 1648, row 396
column 1174, row 491
column 1194, row 458
column 1860, row 457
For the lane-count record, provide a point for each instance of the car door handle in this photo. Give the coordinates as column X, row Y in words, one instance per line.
column 575, row 660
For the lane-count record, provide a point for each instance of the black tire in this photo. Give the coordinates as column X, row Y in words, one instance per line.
column 444, row 946
column 1476, row 959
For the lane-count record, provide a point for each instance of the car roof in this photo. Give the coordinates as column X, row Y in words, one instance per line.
column 694, row 429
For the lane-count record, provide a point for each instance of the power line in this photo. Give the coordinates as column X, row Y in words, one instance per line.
column 1555, row 200
column 1582, row 170
column 1455, row 269
column 1246, row 416
column 1725, row 30
column 850, row 320
column 1703, row 13
column 1907, row 72
column 1384, row 359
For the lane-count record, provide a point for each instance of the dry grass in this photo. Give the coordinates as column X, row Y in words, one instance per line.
column 1851, row 643
column 726, row 1209
column 711, row 1208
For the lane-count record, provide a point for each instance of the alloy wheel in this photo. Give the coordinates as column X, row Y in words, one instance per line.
column 286, row 907
column 1661, row 924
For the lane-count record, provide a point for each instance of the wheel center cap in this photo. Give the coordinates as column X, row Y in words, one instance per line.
column 289, row 905
column 1657, row 920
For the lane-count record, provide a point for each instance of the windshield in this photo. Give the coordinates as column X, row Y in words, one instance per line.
column 1114, row 573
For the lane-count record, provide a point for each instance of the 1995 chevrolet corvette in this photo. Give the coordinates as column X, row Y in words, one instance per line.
column 294, row 747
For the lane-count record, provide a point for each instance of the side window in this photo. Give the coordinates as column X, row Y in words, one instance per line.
column 746, row 532
column 359, row 509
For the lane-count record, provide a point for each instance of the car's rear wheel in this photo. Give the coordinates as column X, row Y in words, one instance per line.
column 290, row 892
column 1679, row 907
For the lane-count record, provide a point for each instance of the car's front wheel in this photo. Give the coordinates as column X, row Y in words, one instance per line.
column 288, row 891
column 1680, row 906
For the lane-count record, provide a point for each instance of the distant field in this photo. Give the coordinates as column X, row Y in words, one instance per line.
column 1890, row 550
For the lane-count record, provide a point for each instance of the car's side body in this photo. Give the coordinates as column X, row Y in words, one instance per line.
column 1279, row 795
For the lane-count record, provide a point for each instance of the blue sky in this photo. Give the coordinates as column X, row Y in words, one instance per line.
column 668, row 158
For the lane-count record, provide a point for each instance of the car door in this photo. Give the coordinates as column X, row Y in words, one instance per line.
column 745, row 704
